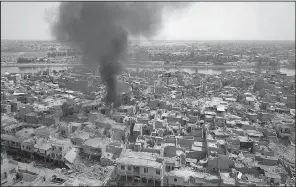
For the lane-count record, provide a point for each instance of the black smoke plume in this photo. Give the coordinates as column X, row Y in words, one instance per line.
column 101, row 31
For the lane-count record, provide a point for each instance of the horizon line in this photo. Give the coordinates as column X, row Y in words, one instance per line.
column 164, row 40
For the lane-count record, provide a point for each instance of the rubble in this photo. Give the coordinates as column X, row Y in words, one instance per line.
column 227, row 129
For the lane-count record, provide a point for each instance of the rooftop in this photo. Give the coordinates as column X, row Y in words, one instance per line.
column 186, row 173
column 97, row 142
column 137, row 127
column 43, row 146
column 139, row 159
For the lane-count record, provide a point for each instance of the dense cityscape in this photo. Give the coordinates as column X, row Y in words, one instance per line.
column 237, row 53
column 147, row 94
column 170, row 128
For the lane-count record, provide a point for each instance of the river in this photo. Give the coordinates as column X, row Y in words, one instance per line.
column 203, row 70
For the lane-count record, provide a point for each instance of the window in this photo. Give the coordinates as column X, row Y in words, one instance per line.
column 61, row 148
column 157, row 172
column 129, row 168
column 122, row 167
column 52, row 155
column 23, row 147
column 175, row 179
column 145, row 170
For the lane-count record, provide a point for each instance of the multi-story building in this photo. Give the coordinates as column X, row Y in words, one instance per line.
column 10, row 143
column 59, row 149
column 42, row 149
column 140, row 167
column 27, row 146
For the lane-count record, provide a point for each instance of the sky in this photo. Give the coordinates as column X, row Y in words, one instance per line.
column 201, row 21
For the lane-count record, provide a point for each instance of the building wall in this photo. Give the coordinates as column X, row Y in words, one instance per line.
column 151, row 174
column 174, row 180
column 201, row 182
column 169, row 151
column 65, row 130
column 42, row 132
column 196, row 132
column 220, row 163
column 22, row 111
column 13, row 144
column 186, row 142
column 118, row 134
column 267, row 161
column 28, row 147
column 77, row 141
column 151, row 150
column 58, row 151
column 89, row 150
column 50, row 120
column 31, row 119
column 115, row 149
column 42, row 152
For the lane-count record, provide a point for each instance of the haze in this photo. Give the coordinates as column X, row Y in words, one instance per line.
column 202, row 21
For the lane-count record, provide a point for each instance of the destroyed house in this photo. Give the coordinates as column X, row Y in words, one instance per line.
column 187, row 177
column 79, row 138
column 95, row 146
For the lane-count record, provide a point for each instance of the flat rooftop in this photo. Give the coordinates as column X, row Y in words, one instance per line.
column 186, row 173
column 139, row 159
column 97, row 142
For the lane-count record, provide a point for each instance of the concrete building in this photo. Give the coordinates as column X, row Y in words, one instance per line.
column 59, row 149
column 187, row 177
column 95, row 147
column 140, row 167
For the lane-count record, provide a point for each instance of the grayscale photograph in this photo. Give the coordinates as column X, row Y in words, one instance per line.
column 148, row 94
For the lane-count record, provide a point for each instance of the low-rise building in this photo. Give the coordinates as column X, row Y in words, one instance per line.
column 95, row 147
column 59, row 149
column 140, row 167
column 188, row 177
column 42, row 149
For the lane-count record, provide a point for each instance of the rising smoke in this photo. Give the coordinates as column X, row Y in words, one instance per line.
column 101, row 31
